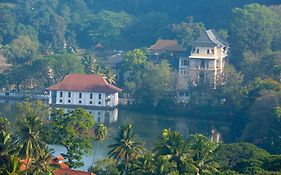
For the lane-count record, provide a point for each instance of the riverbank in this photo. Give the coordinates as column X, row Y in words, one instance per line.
column 198, row 112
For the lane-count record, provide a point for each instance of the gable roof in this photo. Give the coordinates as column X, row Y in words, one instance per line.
column 209, row 38
column 166, row 45
column 85, row 83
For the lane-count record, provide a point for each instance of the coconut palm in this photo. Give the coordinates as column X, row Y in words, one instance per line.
column 28, row 132
column 109, row 75
column 8, row 147
column 126, row 147
column 173, row 146
column 202, row 150
column 12, row 167
column 101, row 133
column 143, row 165
column 41, row 166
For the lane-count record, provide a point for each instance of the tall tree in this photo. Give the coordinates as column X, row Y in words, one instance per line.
column 125, row 148
column 73, row 131
column 252, row 29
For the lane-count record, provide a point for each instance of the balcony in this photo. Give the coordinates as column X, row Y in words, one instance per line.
column 202, row 56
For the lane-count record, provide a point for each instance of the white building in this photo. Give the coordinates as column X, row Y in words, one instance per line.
column 84, row 90
column 206, row 61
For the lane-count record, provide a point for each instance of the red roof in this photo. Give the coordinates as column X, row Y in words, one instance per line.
column 85, row 83
column 71, row 172
column 167, row 45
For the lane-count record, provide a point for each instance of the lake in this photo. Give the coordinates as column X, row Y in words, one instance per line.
column 146, row 126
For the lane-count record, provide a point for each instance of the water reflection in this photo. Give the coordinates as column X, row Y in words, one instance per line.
column 100, row 116
column 147, row 127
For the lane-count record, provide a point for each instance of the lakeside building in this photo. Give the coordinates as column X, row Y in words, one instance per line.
column 205, row 65
column 86, row 90
column 166, row 49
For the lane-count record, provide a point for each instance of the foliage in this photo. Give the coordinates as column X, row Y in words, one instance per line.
column 72, row 130
column 4, row 124
column 125, row 148
column 108, row 25
column 253, row 28
column 187, row 31
column 155, row 84
column 105, row 167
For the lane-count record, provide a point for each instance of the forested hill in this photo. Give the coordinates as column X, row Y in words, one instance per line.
column 213, row 13
column 116, row 23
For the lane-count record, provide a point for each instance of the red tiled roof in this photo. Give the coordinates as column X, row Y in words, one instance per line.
column 85, row 83
column 167, row 45
column 71, row 172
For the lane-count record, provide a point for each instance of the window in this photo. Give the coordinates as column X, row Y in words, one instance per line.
column 184, row 62
column 91, row 96
column 91, row 102
column 213, row 51
column 98, row 113
column 69, row 101
column 60, row 100
column 61, row 94
column 80, row 95
column 202, row 65
column 197, row 51
column 99, row 96
column 99, row 102
column 80, row 101
column 69, row 94
column 193, row 50
column 208, row 51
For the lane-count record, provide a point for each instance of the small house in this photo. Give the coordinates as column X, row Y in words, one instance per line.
column 84, row 90
column 166, row 49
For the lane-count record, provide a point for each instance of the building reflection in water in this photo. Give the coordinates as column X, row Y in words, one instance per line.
column 101, row 116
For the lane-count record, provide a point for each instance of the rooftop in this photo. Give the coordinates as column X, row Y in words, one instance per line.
column 85, row 83
column 167, row 45
column 209, row 38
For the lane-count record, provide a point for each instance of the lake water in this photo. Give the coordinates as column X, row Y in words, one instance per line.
column 146, row 126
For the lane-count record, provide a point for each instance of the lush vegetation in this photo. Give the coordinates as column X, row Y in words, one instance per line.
column 173, row 154
column 25, row 150
column 42, row 41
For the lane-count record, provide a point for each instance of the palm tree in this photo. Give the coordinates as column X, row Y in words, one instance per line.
column 12, row 167
column 101, row 133
column 164, row 166
column 7, row 147
column 126, row 147
column 143, row 165
column 28, row 132
column 41, row 166
column 109, row 75
column 202, row 150
column 173, row 146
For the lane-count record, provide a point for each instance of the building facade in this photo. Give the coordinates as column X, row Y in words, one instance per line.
column 206, row 61
column 84, row 90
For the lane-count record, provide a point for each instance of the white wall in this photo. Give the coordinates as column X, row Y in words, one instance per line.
column 86, row 100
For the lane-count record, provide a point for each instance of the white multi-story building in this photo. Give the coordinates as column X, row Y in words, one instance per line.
column 206, row 61
column 84, row 90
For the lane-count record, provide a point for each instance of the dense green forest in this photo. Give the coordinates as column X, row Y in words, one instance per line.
column 42, row 41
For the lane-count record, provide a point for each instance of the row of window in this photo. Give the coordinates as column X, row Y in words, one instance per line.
column 208, row 51
column 80, row 95
column 80, row 102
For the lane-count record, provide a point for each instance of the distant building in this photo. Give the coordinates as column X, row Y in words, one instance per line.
column 206, row 61
column 85, row 90
column 166, row 49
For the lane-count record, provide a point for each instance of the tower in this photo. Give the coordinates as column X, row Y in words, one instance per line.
column 206, row 61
